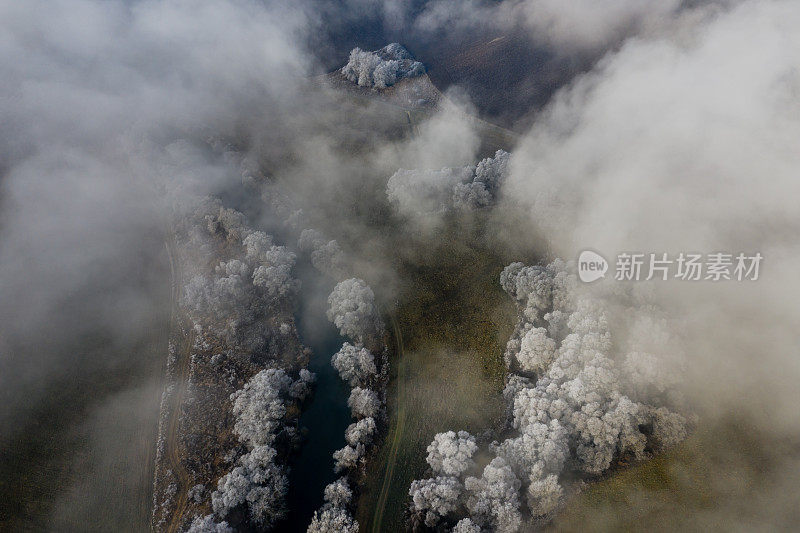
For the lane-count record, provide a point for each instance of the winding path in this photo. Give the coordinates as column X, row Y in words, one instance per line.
column 397, row 433
column 183, row 355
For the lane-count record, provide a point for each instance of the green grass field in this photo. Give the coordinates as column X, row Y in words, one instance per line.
column 725, row 477
column 454, row 320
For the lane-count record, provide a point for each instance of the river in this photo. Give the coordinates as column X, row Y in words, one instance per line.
column 327, row 417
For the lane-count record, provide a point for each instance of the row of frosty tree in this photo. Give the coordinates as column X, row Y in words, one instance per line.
column 234, row 304
column 576, row 401
column 364, row 366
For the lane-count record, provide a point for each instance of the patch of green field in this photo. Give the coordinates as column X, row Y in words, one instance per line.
column 454, row 320
column 725, row 477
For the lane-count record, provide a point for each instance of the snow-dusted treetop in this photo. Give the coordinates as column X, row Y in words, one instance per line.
column 431, row 192
column 259, row 482
column 493, row 497
column 259, row 407
column 352, row 309
column 361, row 432
column 338, row 493
column 229, row 301
column 425, row 192
column 326, row 255
column 363, row 403
column 451, row 453
column 465, row 525
column 333, row 520
column 355, row 364
column 436, row 497
column 381, row 68
column 206, row 524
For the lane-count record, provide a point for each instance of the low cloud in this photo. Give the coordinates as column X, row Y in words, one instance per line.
column 682, row 143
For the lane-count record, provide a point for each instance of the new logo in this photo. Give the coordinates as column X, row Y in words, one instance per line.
column 591, row 266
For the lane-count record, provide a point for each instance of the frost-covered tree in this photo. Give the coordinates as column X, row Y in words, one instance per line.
column 276, row 281
column 329, row 258
column 493, row 498
column 333, row 520
column 669, row 428
column 348, row 458
column 435, row 498
column 222, row 220
column 544, row 494
column 257, row 482
column 530, row 286
column 240, row 309
column 579, row 389
column 334, row 517
column 432, row 192
column 483, row 189
column 259, row 407
column 580, row 412
column 537, row 350
column 326, row 255
column 229, row 302
column 451, row 453
column 539, row 449
column 465, row 525
column 363, row 403
column 257, row 245
column 338, row 493
column 206, row 524
column 355, row 364
column 557, row 325
column 361, row 432
column 352, row 310
column 302, row 387
column 381, row 68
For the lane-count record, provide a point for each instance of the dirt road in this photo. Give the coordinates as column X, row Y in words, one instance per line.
column 397, row 432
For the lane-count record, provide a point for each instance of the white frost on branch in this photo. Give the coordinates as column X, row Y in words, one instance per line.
column 450, row 453
column 352, row 310
column 433, row 192
column 382, row 68
column 493, row 499
column 355, row 364
column 206, row 524
column 333, row 520
column 259, row 407
column 257, row 482
column 363, row 403
column 361, row 432
column 435, row 498
column 465, row 525
column 338, row 493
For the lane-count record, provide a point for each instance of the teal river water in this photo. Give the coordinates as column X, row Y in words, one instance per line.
column 327, row 416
